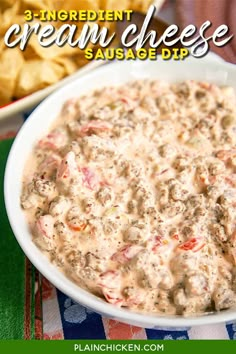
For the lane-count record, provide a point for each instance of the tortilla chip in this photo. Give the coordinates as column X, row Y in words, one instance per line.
column 68, row 64
column 4, row 99
column 6, row 4
column 11, row 63
column 77, row 4
column 36, row 75
column 37, row 67
column 81, row 60
column 9, row 17
column 50, row 52
column 39, row 4
column 2, row 46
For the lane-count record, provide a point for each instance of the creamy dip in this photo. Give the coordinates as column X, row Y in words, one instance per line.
column 133, row 195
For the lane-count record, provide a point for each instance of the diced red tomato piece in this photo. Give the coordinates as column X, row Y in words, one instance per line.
column 90, row 179
column 110, row 279
column 129, row 102
column 194, row 244
column 53, row 141
column 205, row 85
column 157, row 242
column 95, row 126
column 81, row 227
column 112, row 296
column 50, row 164
column 175, row 237
column 126, row 253
column 67, row 167
column 45, row 226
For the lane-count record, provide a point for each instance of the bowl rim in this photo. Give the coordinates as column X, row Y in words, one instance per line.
column 60, row 280
column 28, row 102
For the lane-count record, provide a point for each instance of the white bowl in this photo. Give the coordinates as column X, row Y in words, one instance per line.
column 39, row 123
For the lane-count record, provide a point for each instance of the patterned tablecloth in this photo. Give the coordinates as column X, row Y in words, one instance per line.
column 63, row 318
column 59, row 317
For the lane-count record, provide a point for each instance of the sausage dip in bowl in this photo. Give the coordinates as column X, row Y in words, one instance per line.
column 120, row 188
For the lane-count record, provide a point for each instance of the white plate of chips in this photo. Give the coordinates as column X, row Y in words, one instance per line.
column 28, row 76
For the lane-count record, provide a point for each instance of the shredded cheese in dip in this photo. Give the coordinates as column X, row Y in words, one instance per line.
column 133, row 195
